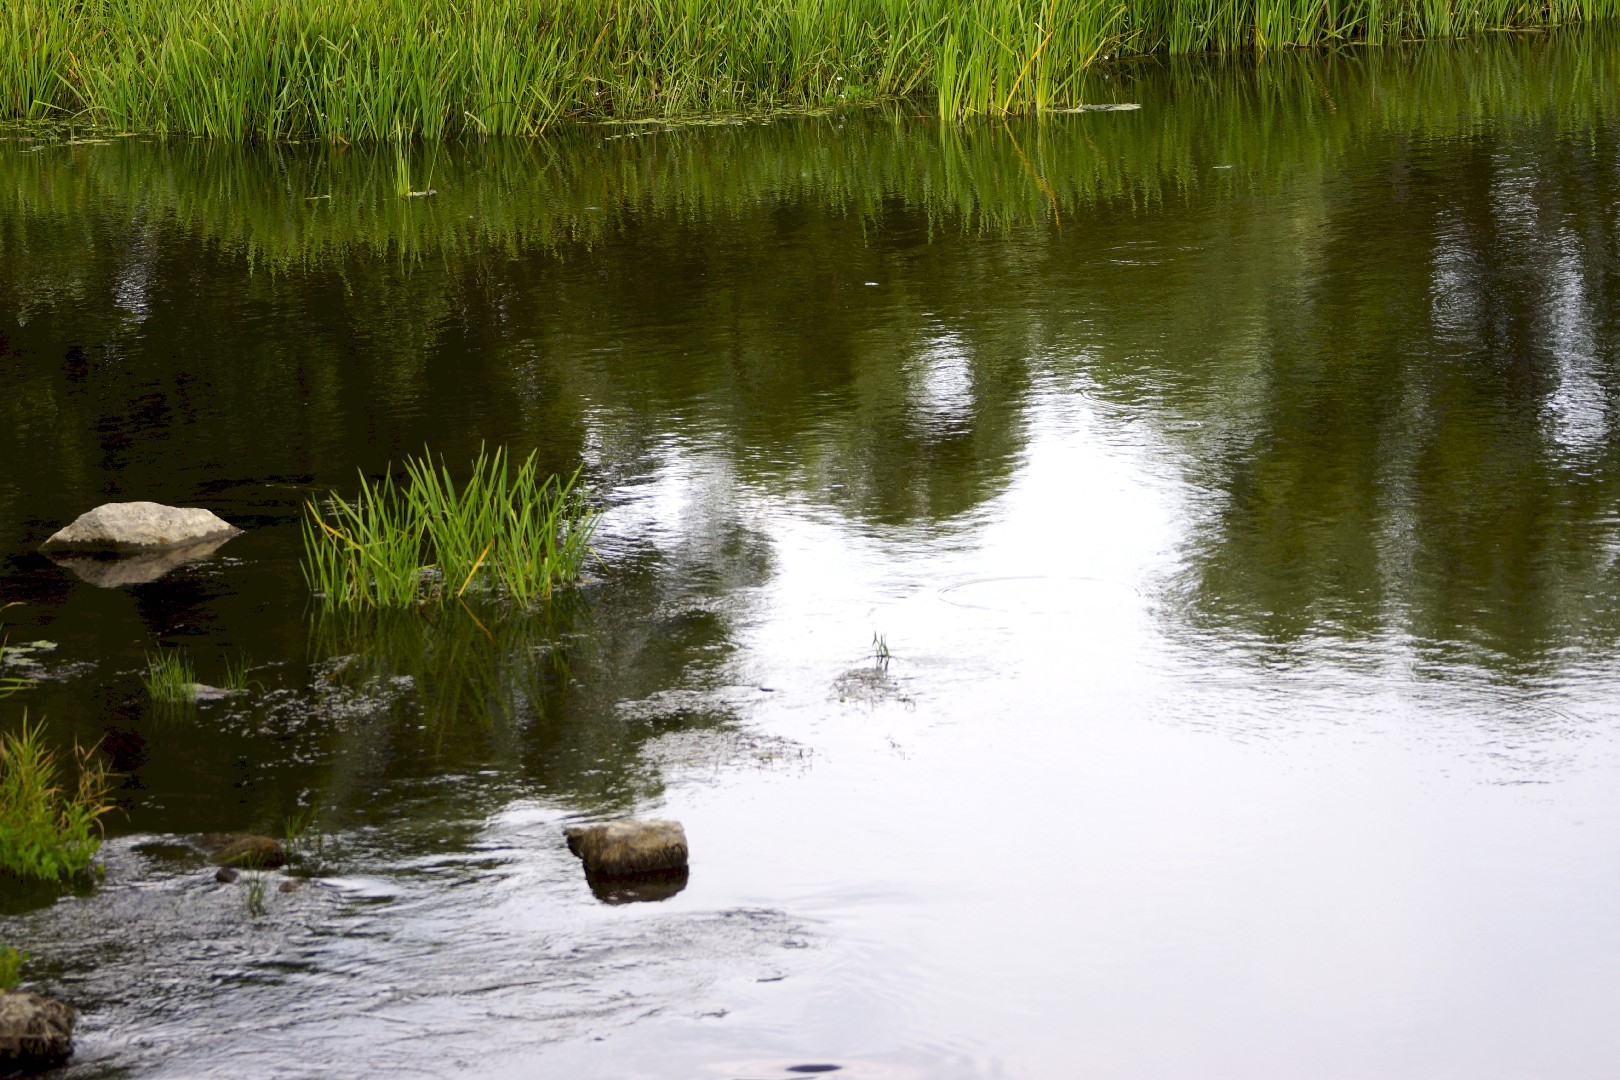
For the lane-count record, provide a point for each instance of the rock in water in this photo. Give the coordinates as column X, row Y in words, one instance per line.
column 35, row 1032
column 629, row 847
column 243, row 849
column 141, row 527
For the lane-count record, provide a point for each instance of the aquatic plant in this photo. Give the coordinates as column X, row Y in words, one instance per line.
column 254, row 894
column 300, row 835
column 48, row 831
column 12, row 960
column 505, row 531
column 170, row 678
column 375, row 69
column 10, row 684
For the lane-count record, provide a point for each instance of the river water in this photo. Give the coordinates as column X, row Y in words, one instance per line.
column 1231, row 482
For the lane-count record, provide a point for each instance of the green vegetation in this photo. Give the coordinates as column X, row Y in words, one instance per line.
column 382, row 69
column 301, row 837
column 300, row 207
column 170, row 678
column 48, row 832
column 236, row 673
column 254, row 894
column 505, row 531
column 12, row 960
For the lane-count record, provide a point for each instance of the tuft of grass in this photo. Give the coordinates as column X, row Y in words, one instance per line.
column 255, row 894
column 505, row 531
column 170, row 678
column 880, row 650
column 376, row 70
column 236, row 672
column 48, row 830
column 11, row 964
column 300, row 837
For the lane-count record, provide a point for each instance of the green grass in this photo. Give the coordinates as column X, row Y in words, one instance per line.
column 11, row 964
column 254, row 893
column 506, row 531
column 300, row 837
column 170, row 678
column 49, row 831
column 237, row 669
column 387, row 69
column 1290, row 118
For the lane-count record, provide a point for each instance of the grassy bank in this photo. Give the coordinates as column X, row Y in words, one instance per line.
column 379, row 69
column 1289, row 119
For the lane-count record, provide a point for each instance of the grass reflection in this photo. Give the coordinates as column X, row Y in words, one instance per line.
column 487, row 665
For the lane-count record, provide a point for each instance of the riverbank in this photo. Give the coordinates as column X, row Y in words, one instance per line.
column 379, row 69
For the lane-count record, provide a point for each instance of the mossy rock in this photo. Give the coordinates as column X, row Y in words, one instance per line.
column 244, row 850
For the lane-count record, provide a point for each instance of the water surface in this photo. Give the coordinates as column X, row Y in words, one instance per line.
column 1233, row 483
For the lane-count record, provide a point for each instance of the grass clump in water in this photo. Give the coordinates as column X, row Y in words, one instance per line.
column 170, row 678
column 236, row 673
column 505, row 531
column 48, row 831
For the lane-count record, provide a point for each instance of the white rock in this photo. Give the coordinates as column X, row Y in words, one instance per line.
column 141, row 526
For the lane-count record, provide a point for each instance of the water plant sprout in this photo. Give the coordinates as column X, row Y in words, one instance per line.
column 254, row 894
column 506, row 532
column 236, row 673
column 48, row 830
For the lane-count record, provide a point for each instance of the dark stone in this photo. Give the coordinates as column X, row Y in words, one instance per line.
column 226, row 874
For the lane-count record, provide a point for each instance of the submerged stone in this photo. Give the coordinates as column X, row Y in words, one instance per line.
column 35, row 1032
column 629, row 847
column 243, row 849
column 204, row 692
column 141, row 527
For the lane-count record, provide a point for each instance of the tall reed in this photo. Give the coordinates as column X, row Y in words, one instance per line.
column 387, row 69
column 506, row 530
column 48, row 831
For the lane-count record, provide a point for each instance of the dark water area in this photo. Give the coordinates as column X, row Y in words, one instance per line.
column 1233, row 483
